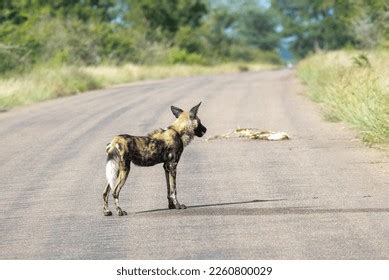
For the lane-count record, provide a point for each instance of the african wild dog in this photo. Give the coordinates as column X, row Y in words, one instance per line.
column 161, row 146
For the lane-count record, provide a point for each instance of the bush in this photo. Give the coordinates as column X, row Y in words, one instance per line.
column 8, row 59
column 180, row 56
column 250, row 54
column 189, row 40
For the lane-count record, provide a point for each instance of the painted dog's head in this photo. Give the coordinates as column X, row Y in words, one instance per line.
column 188, row 122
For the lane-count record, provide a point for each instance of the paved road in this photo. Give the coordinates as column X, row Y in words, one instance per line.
column 322, row 195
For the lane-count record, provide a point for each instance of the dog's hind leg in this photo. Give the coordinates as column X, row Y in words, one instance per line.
column 111, row 173
column 107, row 212
column 120, row 180
column 116, row 174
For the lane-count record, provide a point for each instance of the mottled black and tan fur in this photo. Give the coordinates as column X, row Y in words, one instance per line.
column 161, row 146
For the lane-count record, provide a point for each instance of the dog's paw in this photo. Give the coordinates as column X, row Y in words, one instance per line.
column 107, row 213
column 172, row 206
column 121, row 212
column 177, row 206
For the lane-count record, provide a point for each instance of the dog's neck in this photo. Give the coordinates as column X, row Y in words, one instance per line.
column 184, row 132
column 186, row 139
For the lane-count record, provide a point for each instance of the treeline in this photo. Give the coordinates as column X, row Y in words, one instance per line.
column 92, row 32
column 312, row 25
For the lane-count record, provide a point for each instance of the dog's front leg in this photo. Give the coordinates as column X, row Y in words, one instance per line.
column 170, row 173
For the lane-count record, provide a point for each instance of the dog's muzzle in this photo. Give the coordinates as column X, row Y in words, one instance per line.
column 200, row 130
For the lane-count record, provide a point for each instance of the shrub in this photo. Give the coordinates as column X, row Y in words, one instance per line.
column 180, row 56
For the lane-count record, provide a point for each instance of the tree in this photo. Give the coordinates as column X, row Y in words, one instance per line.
column 316, row 24
column 257, row 27
column 166, row 16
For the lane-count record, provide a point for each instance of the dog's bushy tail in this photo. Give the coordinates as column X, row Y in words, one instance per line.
column 109, row 148
column 114, row 160
column 116, row 145
column 115, row 151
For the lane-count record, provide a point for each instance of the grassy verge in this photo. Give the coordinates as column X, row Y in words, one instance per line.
column 353, row 87
column 47, row 83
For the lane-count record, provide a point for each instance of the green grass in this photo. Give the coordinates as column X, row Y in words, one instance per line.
column 353, row 87
column 45, row 82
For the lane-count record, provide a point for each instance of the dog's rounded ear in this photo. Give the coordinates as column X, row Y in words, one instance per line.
column 193, row 111
column 176, row 111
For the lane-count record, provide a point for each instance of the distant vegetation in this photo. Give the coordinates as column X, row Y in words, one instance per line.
column 205, row 32
column 56, row 48
column 317, row 25
column 116, row 32
column 47, row 83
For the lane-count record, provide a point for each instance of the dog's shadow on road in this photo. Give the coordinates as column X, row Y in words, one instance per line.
column 218, row 209
column 213, row 206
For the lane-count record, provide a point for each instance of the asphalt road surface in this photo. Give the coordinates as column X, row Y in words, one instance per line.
column 321, row 195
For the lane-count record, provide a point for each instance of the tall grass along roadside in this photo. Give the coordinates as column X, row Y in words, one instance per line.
column 47, row 83
column 353, row 87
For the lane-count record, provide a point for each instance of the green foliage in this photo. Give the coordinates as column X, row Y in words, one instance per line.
column 371, row 26
column 352, row 88
column 92, row 32
column 316, row 24
column 249, row 54
column 192, row 40
column 10, row 57
column 166, row 15
column 181, row 56
column 361, row 60
column 216, row 29
column 257, row 28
